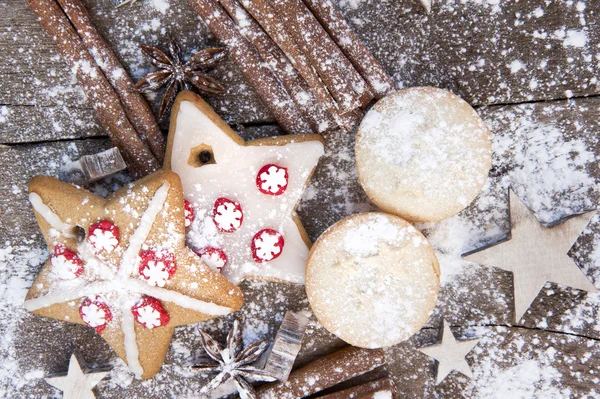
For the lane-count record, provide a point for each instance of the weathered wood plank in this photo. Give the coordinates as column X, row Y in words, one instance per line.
column 487, row 52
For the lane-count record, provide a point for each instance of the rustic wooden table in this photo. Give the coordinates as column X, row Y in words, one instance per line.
column 530, row 67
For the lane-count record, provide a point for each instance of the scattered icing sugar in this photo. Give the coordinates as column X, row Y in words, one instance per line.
column 364, row 239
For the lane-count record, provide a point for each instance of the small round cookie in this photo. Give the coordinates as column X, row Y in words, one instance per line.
column 372, row 279
column 423, row 154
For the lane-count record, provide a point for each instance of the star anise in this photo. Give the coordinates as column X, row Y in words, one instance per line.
column 177, row 75
column 233, row 363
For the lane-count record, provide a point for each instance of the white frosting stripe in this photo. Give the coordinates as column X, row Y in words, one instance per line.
column 60, row 295
column 179, row 299
column 132, row 352
column 50, row 217
column 138, row 237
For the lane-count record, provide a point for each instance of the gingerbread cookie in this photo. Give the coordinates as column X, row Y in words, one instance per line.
column 372, row 279
column 121, row 266
column 422, row 154
column 242, row 195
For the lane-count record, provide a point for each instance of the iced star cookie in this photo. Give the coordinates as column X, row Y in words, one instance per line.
column 242, row 195
column 121, row 266
column 372, row 279
column 423, row 154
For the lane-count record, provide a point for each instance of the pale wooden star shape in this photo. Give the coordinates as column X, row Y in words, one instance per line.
column 450, row 354
column 536, row 254
column 76, row 384
column 149, row 214
column 214, row 162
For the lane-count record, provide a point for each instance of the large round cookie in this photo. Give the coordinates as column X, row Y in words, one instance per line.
column 372, row 279
column 423, row 154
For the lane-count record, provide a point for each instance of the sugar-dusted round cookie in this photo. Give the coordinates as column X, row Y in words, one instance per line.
column 423, row 154
column 372, row 279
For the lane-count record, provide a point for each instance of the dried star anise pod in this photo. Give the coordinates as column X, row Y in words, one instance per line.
column 233, row 363
column 177, row 75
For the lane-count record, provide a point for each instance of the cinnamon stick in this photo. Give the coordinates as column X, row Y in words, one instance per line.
column 106, row 103
column 382, row 388
column 297, row 87
column 267, row 18
column 324, row 373
column 134, row 104
column 336, row 25
column 343, row 81
column 269, row 89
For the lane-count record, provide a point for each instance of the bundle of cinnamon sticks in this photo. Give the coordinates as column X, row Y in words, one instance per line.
column 303, row 59
column 119, row 108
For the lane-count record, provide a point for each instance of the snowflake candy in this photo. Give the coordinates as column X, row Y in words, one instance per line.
column 150, row 313
column 250, row 186
column 216, row 258
column 104, row 236
column 188, row 212
column 272, row 179
column 227, row 215
column 65, row 264
column 157, row 268
column 133, row 281
column 95, row 313
column 267, row 245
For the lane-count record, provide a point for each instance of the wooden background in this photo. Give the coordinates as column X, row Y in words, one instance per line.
column 526, row 66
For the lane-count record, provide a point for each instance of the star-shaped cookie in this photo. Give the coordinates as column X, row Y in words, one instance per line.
column 241, row 195
column 536, row 254
column 121, row 265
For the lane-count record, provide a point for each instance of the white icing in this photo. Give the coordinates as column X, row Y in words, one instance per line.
column 50, row 217
column 104, row 240
column 130, row 342
column 63, row 267
column 148, row 316
column 266, row 245
column 233, row 176
column 156, row 273
column 273, row 179
column 131, row 254
column 228, row 217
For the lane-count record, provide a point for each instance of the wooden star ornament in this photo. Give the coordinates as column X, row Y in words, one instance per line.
column 121, row 266
column 450, row 354
column 536, row 254
column 76, row 384
column 243, row 195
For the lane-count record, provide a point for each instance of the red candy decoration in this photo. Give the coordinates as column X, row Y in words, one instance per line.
column 227, row 215
column 157, row 268
column 266, row 245
column 65, row 263
column 150, row 313
column 95, row 313
column 216, row 258
column 104, row 236
column 188, row 212
column 272, row 179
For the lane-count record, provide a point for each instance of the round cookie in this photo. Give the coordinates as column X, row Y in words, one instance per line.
column 423, row 154
column 372, row 279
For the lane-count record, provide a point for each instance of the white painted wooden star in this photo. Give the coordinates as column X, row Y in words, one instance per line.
column 243, row 194
column 450, row 354
column 427, row 5
column 536, row 254
column 76, row 384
